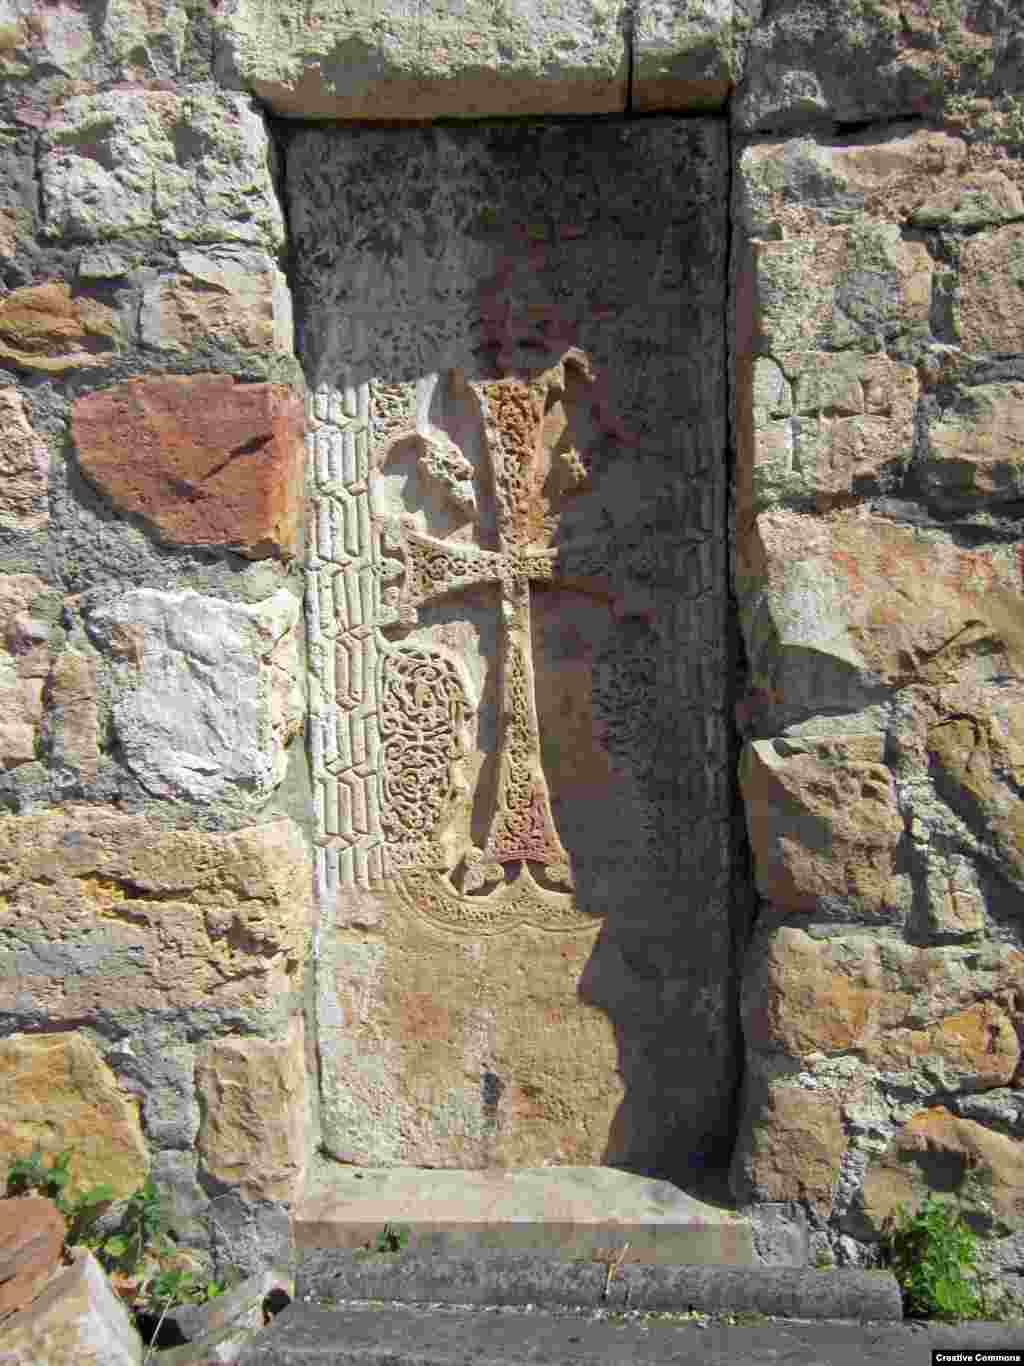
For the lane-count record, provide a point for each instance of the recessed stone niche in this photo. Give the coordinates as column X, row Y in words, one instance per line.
column 517, row 604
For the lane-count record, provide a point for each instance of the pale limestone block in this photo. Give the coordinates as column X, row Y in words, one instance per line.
column 211, row 700
column 195, row 168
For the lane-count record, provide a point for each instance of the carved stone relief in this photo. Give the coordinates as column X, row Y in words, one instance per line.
column 516, row 602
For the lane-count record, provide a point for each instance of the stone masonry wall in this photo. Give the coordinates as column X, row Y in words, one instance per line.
column 156, row 911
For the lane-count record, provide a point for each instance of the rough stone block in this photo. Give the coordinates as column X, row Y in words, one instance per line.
column 911, row 1013
column 24, row 662
column 684, row 55
column 784, row 188
column 42, row 328
column 253, row 1098
column 823, row 827
column 76, row 1321
column 977, row 761
column 831, row 608
column 973, row 1050
column 975, row 449
column 846, row 288
column 981, row 1173
column 980, row 200
column 853, row 63
column 848, row 427
column 110, row 919
column 131, row 40
column 71, row 723
column 207, row 694
column 956, row 906
column 989, row 303
column 238, row 301
column 204, row 460
column 222, row 1327
column 61, row 1094
column 420, row 62
column 790, row 1147
column 31, row 1239
column 191, row 166
column 24, row 467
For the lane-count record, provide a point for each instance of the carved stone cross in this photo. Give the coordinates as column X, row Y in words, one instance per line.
column 530, row 472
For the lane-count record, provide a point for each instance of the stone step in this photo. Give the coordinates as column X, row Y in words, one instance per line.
column 388, row 1335
column 564, row 1213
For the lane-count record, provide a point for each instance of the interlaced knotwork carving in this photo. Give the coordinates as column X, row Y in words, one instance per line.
column 523, row 827
column 423, row 711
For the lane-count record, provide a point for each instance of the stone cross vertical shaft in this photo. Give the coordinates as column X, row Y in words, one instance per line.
column 524, row 483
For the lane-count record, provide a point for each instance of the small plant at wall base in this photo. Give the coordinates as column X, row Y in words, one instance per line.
column 147, row 1268
column 931, row 1253
column 81, row 1211
column 392, row 1238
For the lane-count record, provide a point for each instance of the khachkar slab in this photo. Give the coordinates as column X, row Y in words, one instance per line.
column 516, row 606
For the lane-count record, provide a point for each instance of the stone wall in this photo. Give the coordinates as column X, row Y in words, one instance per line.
column 157, row 953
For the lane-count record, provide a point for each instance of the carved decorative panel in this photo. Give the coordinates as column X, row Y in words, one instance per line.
column 516, row 599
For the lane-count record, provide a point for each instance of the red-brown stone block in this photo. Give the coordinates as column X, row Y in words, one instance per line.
column 205, row 460
column 31, row 1238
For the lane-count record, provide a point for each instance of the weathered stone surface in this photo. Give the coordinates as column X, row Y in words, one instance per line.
column 980, row 1172
column 851, row 63
column 76, row 1321
column 253, row 1098
column 24, row 467
column 222, row 1327
column 978, row 767
column 861, row 287
column 238, row 301
column 46, row 36
column 917, row 1012
column 57, row 45
column 160, row 1068
column 204, row 460
column 955, row 904
column 193, row 167
column 207, row 694
column 989, row 304
column 42, row 328
column 784, row 188
column 982, row 198
column 105, row 917
column 31, row 1239
column 684, row 55
column 823, row 823
column 972, row 1050
column 790, row 1147
column 61, row 1094
column 976, row 449
column 423, row 62
column 24, row 663
column 828, row 425
column 833, row 608
column 531, row 418
column 145, row 39
column 18, row 193
column 72, row 723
